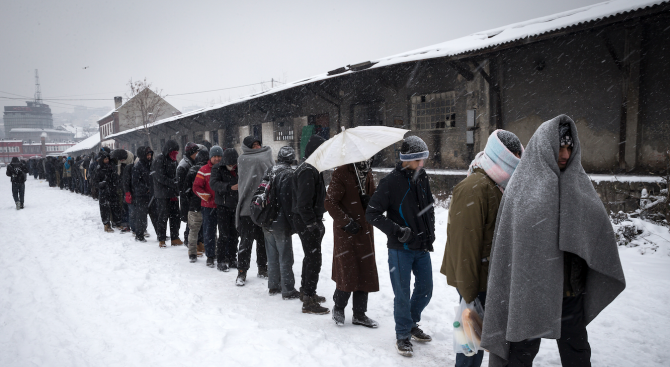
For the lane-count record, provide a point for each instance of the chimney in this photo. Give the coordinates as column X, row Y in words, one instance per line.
column 118, row 101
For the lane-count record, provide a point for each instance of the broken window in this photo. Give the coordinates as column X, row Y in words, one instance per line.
column 433, row 111
column 283, row 130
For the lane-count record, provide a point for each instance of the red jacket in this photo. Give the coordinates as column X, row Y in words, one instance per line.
column 201, row 186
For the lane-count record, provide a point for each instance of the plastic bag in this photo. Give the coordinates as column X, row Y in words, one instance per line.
column 468, row 328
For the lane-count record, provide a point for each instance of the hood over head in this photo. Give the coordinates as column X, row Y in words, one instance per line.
column 191, row 148
column 170, row 146
column 286, row 155
column 314, row 142
column 119, row 154
column 230, row 157
column 202, row 157
column 15, row 159
column 250, row 140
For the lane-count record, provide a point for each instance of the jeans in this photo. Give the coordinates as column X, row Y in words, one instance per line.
column 474, row 361
column 279, row 248
column 194, row 227
column 407, row 306
column 226, row 246
column 311, row 263
column 250, row 232
column 573, row 346
column 341, row 299
column 167, row 210
column 209, row 231
column 18, row 191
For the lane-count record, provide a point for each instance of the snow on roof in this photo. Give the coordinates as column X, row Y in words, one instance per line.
column 88, row 143
column 473, row 42
column 29, row 130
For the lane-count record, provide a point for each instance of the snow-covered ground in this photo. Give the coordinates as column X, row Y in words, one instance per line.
column 72, row 295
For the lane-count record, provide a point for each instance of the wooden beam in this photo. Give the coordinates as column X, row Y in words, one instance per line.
column 462, row 69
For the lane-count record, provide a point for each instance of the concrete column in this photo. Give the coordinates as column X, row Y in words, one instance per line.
column 632, row 55
column 222, row 135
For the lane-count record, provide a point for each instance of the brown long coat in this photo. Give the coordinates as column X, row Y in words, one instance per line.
column 354, row 262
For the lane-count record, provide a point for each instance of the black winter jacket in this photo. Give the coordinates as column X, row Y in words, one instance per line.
column 309, row 190
column 142, row 183
column 164, row 173
column 283, row 191
column 193, row 200
column 17, row 171
column 220, row 181
column 182, row 169
column 127, row 178
column 107, row 181
column 403, row 199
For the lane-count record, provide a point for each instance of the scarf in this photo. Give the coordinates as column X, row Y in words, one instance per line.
column 496, row 160
column 544, row 213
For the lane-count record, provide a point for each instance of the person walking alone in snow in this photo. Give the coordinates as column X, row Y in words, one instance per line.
column 251, row 165
column 472, row 219
column 409, row 224
column 554, row 264
column 354, row 260
column 18, row 173
column 224, row 183
column 166, row 193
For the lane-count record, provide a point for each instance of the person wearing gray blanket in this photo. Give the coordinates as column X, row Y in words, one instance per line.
column 555, row 264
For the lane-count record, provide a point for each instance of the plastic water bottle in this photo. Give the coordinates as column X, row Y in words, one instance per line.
column 461, row 340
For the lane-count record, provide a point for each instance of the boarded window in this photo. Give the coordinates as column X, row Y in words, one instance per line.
column 283, row 130
column 433, row 111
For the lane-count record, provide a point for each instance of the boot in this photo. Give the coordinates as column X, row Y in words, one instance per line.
column 146, row 234
column 192, row 258
column 319, row 299
column 210, row 262
column 200, row 248
column 233, row 264
column 140, row 239
column 18, row 205
column 263, row 272
column 176, row 242
column 162, row 244
column 338, row 316
column 241, row 278
column 21, row 206
column 363, row 320
column 420, row 336
column 274, row 292
column 294, row 294
column 404, row 347
column 222, row 266
column 125, row 229
column 108, row 228
column 312, row 306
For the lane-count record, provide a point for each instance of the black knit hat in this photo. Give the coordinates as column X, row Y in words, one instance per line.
column 565, row 134
column 413, row 148
column 250, row 140
column 191, row 148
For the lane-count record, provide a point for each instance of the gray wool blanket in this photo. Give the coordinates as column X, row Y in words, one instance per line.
column 251, row 166
column 544, row 213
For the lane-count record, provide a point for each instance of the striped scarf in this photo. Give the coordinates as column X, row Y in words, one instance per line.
column 496, row 160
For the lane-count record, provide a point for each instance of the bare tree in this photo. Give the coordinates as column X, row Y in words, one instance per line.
column 145, row 105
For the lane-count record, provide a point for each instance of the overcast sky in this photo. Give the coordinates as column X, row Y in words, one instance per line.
column 197, row 45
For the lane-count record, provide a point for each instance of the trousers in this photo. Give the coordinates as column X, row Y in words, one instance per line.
column 142, row 208
column 226, row 246
column 279, row 248
column 167, row 210
column 18, row 191
column 311, row 264
column 110, row 209
column 360, row 303
column 250, row 232
column 194, row 225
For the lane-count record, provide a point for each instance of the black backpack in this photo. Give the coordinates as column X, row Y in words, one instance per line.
column 264, row 204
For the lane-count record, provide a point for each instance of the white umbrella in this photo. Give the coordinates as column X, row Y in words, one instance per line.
column 354, row 145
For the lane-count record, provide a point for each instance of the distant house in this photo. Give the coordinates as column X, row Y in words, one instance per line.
column 144, row 107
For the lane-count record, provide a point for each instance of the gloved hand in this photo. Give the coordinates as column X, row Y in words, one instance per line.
column 353, row 227
column 129, row 198
column 404, row 234
column 315, row 230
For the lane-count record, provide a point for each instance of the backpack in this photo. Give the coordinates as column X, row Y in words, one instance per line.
column 264, row 204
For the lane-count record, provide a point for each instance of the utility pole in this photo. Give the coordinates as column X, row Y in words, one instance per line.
column 38, row 92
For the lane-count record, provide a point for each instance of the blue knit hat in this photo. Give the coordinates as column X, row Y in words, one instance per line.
column 215, row 151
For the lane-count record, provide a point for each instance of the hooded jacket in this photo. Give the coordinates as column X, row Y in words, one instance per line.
column 408, row 202
column 193, row 200
column 309, row 190
column 17, row 171
column 182, row 170
column 544, row 214
column 222, row 179
column 202, row 188
column 142, row 183
column 107, row 178
column 126, row 167
column 164, row 172
column 251, row 166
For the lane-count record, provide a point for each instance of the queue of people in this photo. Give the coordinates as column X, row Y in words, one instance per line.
column 527, row 236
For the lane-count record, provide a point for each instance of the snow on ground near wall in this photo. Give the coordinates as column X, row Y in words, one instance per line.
column 72, row 295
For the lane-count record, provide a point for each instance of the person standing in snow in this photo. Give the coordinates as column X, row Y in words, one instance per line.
column 125, row 159
column 409, row 224
column 17, row 171
column 107, row 179
column 309, row 194
column 127, row 186
column 187, row 161
column 554, row 264
column 251, row 165
column 202, row 188
column 354, row 260
column 143, row 193
column 166, row 193
column 194, row 206
column 224, row 183
column 278, row 243
column 472, row 220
